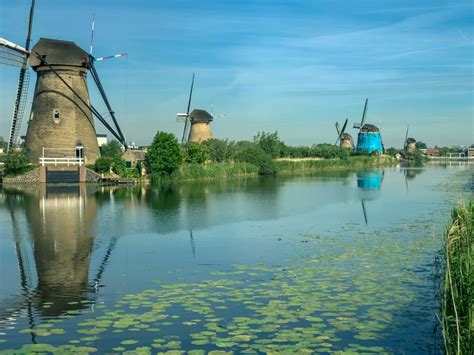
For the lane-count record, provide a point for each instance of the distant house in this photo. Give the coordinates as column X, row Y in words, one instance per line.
column 133, row 157
column 470, row 153
column 432, row 152
column 101, row 139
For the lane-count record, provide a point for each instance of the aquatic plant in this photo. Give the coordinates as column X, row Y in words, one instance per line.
column 458, row 286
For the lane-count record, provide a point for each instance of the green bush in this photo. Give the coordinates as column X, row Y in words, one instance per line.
column 113, row 149
column 195, row 153
column 164, row 155
column 16, row 163
column 270, row 143
column 219, row 150
column 255, row 155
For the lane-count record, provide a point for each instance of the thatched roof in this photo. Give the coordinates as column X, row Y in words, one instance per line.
column 198, row 115
column 57, row 52
column 369, row 128
column 411, row 140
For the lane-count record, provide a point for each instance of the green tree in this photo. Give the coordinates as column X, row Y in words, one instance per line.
column 16, row 163
column 420, row 145
column 253, row 154
column 391, row 151
column 164, row 155
column 112, row 149
column 195, row 153
column 219, row 150
column 270, row 143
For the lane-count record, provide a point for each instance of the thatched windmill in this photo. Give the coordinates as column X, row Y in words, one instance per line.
column 61, row 119
column 197, row 123
column 409, row 145
column 345, row 139
column 369, row 139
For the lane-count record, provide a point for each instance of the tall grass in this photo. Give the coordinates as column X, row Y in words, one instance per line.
column 215, row 171
column 458, row 285
column 309, row 166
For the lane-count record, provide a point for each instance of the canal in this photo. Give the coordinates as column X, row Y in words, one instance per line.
column 344, row 261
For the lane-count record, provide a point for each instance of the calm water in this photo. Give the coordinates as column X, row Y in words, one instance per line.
column 342, row 262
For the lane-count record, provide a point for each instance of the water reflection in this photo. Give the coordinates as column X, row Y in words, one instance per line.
column 61, row 224
column 369, row 184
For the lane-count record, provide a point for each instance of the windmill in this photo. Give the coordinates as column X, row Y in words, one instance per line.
column 409, row 145
column 196, row 123
column 61, row 118
column 345, row 139
column 369, row 139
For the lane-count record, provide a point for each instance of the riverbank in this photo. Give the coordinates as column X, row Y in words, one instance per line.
column 283, row 166
column 458, row 285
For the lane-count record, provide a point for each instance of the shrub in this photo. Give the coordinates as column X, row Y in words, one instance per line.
column 164, row 155
column 269, row 143
column 255, row 155
column 195, row 153
column 113, row 149
column 16, row 163
column 219, row 150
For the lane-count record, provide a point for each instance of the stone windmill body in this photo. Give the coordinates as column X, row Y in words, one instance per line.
column 345, row 139
column 61, row 126
column 409, row 146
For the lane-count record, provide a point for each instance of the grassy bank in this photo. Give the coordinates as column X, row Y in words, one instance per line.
column 216, row 171
column 306, row 166
column 458, row 285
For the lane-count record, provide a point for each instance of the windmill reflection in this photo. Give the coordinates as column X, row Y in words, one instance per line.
column 369, row 184
column 61, row 222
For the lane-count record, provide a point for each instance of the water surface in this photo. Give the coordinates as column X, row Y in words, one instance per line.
column 334, row 262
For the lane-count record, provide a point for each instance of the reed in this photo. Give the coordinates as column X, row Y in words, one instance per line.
column 215, row 171
column 458, row 286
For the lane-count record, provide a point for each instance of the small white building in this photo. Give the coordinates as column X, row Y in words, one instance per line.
column 101, row 139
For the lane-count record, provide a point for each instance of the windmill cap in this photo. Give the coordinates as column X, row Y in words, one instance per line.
column 369, row 128
column 57, row 52
column 198, row 115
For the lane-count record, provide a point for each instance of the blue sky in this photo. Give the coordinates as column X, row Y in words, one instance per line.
column 291, row 66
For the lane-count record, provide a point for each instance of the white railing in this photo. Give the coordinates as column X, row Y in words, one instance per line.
column 61, row 161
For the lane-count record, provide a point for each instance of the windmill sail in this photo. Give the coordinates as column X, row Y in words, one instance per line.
column 186, row 126
column 23, row 85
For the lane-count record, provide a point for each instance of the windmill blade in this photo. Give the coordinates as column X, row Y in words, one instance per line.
column 12, row 54
column 338, row 128
column 364, row 211
column 98, row 83
column 344, row 126
column 19, row 107
column 341, row 131
column 111, row 57
column 406, row 137
column 183, row 138
column 92, row 34
column 364, row 114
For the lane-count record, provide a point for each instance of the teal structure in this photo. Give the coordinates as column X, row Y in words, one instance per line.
column 369, row 142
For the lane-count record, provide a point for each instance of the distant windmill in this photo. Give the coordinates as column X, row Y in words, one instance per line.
column 345, row 139
column 369, row 139
column 196, row 123
column 409, row 145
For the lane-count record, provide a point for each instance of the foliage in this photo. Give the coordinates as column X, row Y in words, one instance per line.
column 458, row 287
column 16, row 163
column 219, row 150
column 112, row 149
column 3, row 144
column 312, row 166
column 420, row 145
column 254, row 154
column 164, row 155
column 392, row 151
column 214, row 171
column 269, row 143
column 195, row 153
column 325, row 150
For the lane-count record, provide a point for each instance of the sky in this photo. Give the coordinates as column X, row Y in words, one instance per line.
column 292, row 66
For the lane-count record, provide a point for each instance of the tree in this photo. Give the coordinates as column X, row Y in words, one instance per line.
column 420, row 145
column 3, row 144
column 391, row 151
column 16, row 163
column 164, row 155
column 270, row 143
column 219, row 150
column 195, row 153
column 255, row 155
column 113, row 149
